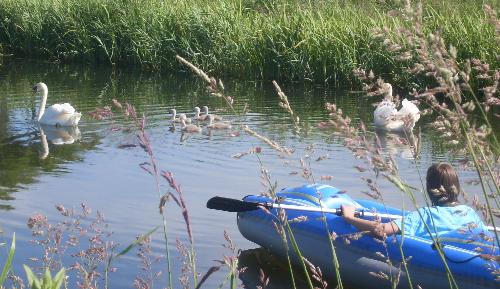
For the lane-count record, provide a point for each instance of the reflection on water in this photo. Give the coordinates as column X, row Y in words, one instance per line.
column 57, row 135
column 25, row 144
column 258, row 266
column 99, row 161
column 404, row 145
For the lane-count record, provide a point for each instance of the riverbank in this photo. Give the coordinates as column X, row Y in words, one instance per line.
column 321, row 41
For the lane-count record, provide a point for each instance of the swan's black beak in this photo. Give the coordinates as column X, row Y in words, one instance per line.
column 35, row 89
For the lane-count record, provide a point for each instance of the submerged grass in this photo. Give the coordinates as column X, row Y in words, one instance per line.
column 322, row 41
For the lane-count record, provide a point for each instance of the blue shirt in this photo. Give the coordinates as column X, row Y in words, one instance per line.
column 439, row 219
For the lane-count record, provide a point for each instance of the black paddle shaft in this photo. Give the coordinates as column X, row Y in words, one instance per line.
column 233, row 205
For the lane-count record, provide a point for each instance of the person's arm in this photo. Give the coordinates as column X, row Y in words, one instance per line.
column 377, row 229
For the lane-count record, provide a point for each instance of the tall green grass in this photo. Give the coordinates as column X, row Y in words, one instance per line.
column 290, row 39
column 321, row 40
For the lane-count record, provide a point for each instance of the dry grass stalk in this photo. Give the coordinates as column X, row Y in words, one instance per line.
column 316, row 274
column 216, row 88
column 230, row 261
column 194, row 69
column 271, row 143
column 145, row 254
column 82, row 236
column 285, row 104
column 250, row 151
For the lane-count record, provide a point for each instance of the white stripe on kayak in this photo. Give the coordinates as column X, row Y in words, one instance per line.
column 334, row 211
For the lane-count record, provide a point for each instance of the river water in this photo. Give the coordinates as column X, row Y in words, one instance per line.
column 101, row 168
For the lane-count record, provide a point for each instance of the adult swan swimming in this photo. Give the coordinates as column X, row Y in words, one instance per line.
column 59, row 114
column 388, row 118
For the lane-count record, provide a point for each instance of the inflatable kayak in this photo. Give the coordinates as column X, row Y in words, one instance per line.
column 364, row 261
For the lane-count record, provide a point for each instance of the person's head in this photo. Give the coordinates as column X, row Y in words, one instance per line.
column 443, row 186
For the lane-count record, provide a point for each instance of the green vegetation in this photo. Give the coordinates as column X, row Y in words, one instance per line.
column 321, row 41
column 324, row 40
column 8, row 263
column 47, row 281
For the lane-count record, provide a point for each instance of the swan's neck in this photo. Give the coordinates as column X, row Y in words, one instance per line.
column 41, row 110
column 210, row 121
column 45, row 145
column 205, row 110
column 388, row 94
column 197, row 113
column 183, row 124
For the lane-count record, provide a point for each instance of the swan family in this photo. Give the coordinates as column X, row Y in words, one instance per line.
column 386, row 117
column 212, row 121
column 65, row 115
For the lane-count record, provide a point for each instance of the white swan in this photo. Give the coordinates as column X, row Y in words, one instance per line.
column 197, row 115
column 189, row 127
column 187, row 120
column 59, row 114
column 217, row 125
column 387, row 117
column 174, row 114
column 205, row 111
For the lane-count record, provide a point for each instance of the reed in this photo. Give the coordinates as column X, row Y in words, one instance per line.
column 8, row 262
column 321, row 41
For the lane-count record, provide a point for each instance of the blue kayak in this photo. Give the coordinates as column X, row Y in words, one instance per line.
column 365, row 261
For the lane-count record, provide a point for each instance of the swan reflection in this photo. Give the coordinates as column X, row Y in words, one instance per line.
column 62, row 135
column 405, row 145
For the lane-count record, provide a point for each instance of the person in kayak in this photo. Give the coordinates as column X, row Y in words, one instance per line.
column 445, row 214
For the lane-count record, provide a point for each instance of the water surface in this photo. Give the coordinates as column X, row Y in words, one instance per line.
column 101, row 168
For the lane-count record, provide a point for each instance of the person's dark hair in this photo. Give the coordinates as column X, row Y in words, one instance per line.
column 443, row 186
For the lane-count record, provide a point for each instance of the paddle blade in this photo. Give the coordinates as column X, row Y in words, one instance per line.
column 231, row 205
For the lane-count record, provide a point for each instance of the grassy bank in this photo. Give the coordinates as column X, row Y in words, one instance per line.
column 287, row 39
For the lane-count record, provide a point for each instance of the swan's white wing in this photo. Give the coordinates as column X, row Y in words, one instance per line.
column 61, row 108
column 409, row 108
column 384, row 111
column 388, row 118
column 61, row 114
column 408, row 115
